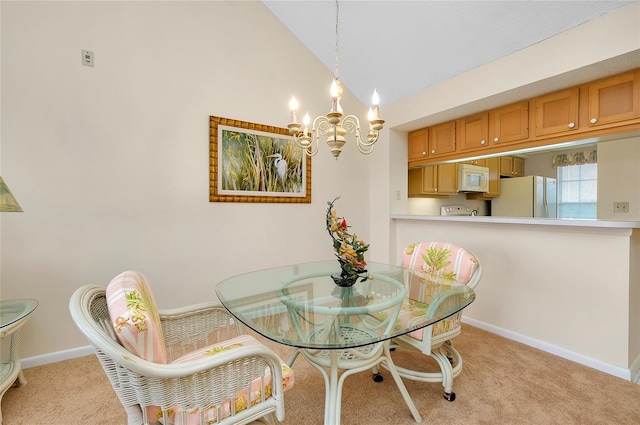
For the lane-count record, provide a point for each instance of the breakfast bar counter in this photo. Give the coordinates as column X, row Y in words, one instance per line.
column 568, row 287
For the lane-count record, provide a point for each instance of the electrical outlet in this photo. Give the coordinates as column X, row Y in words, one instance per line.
column 398, row 195
column 621, row 207
column 87, row 57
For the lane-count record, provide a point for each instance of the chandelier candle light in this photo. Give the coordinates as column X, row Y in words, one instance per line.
column 334, row 125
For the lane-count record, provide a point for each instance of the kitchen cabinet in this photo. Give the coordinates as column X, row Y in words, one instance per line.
column 433, row 180
column 596, row 109
column 509, row 123
column 557, row 113
column 473, row 132
column 511, row 166
column 494, row 180
column 614, row 99
column 442, row 138
column 418, row 145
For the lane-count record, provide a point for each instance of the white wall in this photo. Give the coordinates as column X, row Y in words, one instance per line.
column 111, row 163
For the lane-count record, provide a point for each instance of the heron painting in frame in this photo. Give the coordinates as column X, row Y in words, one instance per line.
column 256, row 163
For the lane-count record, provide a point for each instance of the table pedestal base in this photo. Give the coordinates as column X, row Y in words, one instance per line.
column 352, row 360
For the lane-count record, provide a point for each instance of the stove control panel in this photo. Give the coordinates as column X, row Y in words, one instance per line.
column 454, row 210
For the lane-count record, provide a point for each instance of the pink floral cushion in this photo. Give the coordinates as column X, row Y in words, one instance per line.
column 441, row 259
column 133, row 313
column 243, row 399
column 135, row 318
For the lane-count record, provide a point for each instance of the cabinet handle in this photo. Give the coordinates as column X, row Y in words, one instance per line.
column 571, row 125
column 495, row 139
column 593, row 120
column 424, row 153
column 433, row 151
column 435, row 189
column 482, row 142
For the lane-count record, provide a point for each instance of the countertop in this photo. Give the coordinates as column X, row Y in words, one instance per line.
column 564, row 222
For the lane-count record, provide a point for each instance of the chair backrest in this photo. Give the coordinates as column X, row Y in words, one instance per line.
column 444, row 259
column 134, row 315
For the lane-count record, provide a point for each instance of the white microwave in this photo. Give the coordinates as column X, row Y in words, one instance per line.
column 473, row 178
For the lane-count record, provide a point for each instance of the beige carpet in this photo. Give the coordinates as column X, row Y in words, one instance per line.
column 503, row 382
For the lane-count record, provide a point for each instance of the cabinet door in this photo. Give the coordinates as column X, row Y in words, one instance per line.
column 442, row 138
column 557, row 112
column 473, row 131
column 422, row 181
column 418, row 145
column 614, row 99
column 447, row 175
column 511, row 166
column 494, row 176
column 430, row 179
column 517, row 166
column 510, row 123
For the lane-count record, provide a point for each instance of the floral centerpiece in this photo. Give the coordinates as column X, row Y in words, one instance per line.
column 348, row 249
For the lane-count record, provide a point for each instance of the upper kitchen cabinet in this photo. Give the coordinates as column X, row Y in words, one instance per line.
column 614, row 99
column 509, row 123
column 433, row 180
column 557, row 112
column 511, row 166
column 473, row 132
column 418, row 145
column 591, row 110
column 442, row 138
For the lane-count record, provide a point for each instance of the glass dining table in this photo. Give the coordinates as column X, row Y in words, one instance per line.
column 336, row 328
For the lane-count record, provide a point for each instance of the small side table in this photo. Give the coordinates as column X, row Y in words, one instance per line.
column 13, row 314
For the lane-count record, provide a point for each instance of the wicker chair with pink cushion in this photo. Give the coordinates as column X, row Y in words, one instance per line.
column 185, row 366
column 440, row 261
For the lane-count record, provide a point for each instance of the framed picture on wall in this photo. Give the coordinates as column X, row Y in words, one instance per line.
column 256, row 163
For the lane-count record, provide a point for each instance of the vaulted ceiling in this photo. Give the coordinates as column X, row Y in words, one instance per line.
column 402, row 47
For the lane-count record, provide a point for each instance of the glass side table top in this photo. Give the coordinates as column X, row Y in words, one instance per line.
column 13, row 311
column 300, row 305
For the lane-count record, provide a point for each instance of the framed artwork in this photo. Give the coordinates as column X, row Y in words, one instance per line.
column 256, row 163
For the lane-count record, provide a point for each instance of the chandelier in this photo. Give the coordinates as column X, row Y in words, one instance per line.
column 335, row 125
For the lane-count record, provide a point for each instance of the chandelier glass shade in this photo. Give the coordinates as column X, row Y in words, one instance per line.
column 335, row 125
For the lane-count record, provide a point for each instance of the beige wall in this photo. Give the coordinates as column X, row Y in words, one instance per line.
column 619, row 178
column 111, row 163
column 570, row 291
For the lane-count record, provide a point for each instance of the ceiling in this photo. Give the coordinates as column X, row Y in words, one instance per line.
column 402, row 47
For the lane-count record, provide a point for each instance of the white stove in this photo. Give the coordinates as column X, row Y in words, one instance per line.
column 455, row 210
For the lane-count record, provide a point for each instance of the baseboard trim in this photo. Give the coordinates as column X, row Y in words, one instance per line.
column 58, row 356
column 632, row 374
column 561, row 352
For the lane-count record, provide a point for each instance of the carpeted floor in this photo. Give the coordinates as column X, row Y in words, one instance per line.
column 503, row 382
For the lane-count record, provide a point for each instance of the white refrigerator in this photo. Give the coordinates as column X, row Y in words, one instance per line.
column 529, row 196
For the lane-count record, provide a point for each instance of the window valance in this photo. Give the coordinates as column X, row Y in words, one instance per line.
column 575, row 158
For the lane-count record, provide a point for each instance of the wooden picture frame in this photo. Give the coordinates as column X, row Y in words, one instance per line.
column 256, row 163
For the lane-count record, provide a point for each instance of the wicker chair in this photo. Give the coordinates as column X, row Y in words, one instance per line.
column 201, row 391
column 451, row 261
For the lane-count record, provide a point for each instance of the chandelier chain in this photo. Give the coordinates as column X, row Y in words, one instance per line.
column 336, row 66
column 335, row 125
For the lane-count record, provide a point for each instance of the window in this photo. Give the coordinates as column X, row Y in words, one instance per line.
column 577, row 191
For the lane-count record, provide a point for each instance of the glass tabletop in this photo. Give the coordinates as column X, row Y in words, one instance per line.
column 300, row 305
column 12, row 311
